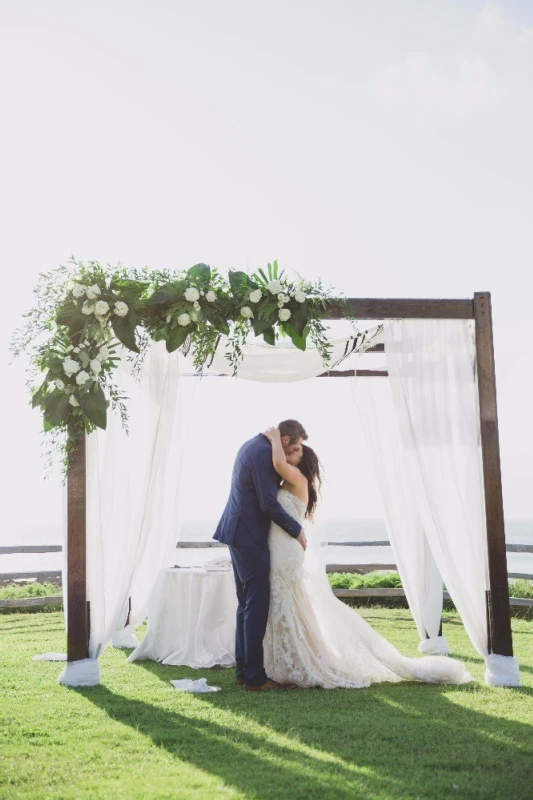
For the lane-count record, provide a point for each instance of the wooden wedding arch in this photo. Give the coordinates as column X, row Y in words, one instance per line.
column 497, row 597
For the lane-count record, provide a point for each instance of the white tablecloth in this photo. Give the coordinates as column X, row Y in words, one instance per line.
column 191, row 619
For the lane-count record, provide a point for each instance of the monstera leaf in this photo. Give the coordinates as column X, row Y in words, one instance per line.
column 261, row 325
column 239, row 282
column 56, row 409
column 72, row 317
column 300, row 318
column 94, row 405
column 298, row 341
column 269, row 336
column 200, row 272
column 212, row 315
column 124, row 328
column 177, row 336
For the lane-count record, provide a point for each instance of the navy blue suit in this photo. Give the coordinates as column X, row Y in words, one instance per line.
column 252, row 505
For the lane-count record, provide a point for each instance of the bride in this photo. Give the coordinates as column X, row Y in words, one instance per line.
column 312, row 638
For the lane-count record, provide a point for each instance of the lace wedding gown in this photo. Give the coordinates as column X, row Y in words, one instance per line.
column 314, row 639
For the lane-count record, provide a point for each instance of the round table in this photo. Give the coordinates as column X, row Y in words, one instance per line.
column 191, row 619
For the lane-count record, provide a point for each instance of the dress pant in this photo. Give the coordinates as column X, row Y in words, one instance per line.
column 251, row 567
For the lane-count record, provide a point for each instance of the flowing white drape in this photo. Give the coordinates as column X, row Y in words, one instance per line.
column 131, row 521
column 420, row 577
column 132, row 498
column 433, row 381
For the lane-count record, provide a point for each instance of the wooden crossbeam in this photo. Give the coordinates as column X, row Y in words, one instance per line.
column 398, row 308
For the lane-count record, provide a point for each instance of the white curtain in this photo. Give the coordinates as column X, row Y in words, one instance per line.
column 433, row 381
column 132, row 495
column 420, row 577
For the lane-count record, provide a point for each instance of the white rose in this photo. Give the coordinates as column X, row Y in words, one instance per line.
column 299, row 297
column 73, row 402
column 59, row 384
column 82, row 378
column 70, row 366
column 121, row 309
column 87, row 308
column 283, row 298
column 104, row 351
column 284, row 314
column 96, row 366
column 196, row 305
column 274, row 287
column 183, row 319
column 101, row 308
column 192, row 294
column 210, row 296
column 247, row 312
column 255, row 296
column 78, row 290
column 93, row 291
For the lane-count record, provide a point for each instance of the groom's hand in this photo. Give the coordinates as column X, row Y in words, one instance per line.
column 301, row 538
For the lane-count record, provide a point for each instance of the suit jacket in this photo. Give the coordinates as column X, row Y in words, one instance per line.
column 252, row 504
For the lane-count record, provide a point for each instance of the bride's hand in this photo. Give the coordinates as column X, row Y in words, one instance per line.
column 273, row 434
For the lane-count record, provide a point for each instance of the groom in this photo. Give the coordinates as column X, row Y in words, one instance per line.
column 244, row 526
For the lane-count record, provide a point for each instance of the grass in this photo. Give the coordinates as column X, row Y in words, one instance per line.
column 134, row 737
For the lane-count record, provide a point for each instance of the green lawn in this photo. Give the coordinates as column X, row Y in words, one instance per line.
column 134, row 737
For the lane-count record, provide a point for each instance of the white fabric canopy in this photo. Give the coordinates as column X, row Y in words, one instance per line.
column 285, row 363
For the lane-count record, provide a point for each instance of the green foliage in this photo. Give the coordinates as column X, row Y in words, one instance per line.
column 85, row 310
column 14, row 591
column 177, row 336
column 370, row 580
column 521, row 588
column 124, row 330
column 94, row 404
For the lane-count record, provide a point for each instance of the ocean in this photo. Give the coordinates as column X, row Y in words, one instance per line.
column 518, row 531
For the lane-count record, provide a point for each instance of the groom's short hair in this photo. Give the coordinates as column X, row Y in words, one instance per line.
column 294, row 429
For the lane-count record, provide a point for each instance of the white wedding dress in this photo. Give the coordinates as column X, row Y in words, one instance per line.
column 314, row 639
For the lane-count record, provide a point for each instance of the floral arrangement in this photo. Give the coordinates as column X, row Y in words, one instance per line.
column 85, row 311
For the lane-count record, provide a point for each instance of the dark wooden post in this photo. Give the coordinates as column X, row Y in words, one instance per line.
column 77, row 618
column 500, row 636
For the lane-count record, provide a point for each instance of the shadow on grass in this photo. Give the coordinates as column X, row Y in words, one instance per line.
column 391, row 740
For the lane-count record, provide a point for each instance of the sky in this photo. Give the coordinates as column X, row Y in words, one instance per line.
column 384, row 147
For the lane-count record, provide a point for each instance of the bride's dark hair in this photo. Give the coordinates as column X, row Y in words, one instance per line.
column 310, row 467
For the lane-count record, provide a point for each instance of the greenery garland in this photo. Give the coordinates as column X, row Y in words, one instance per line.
column 85, row 310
